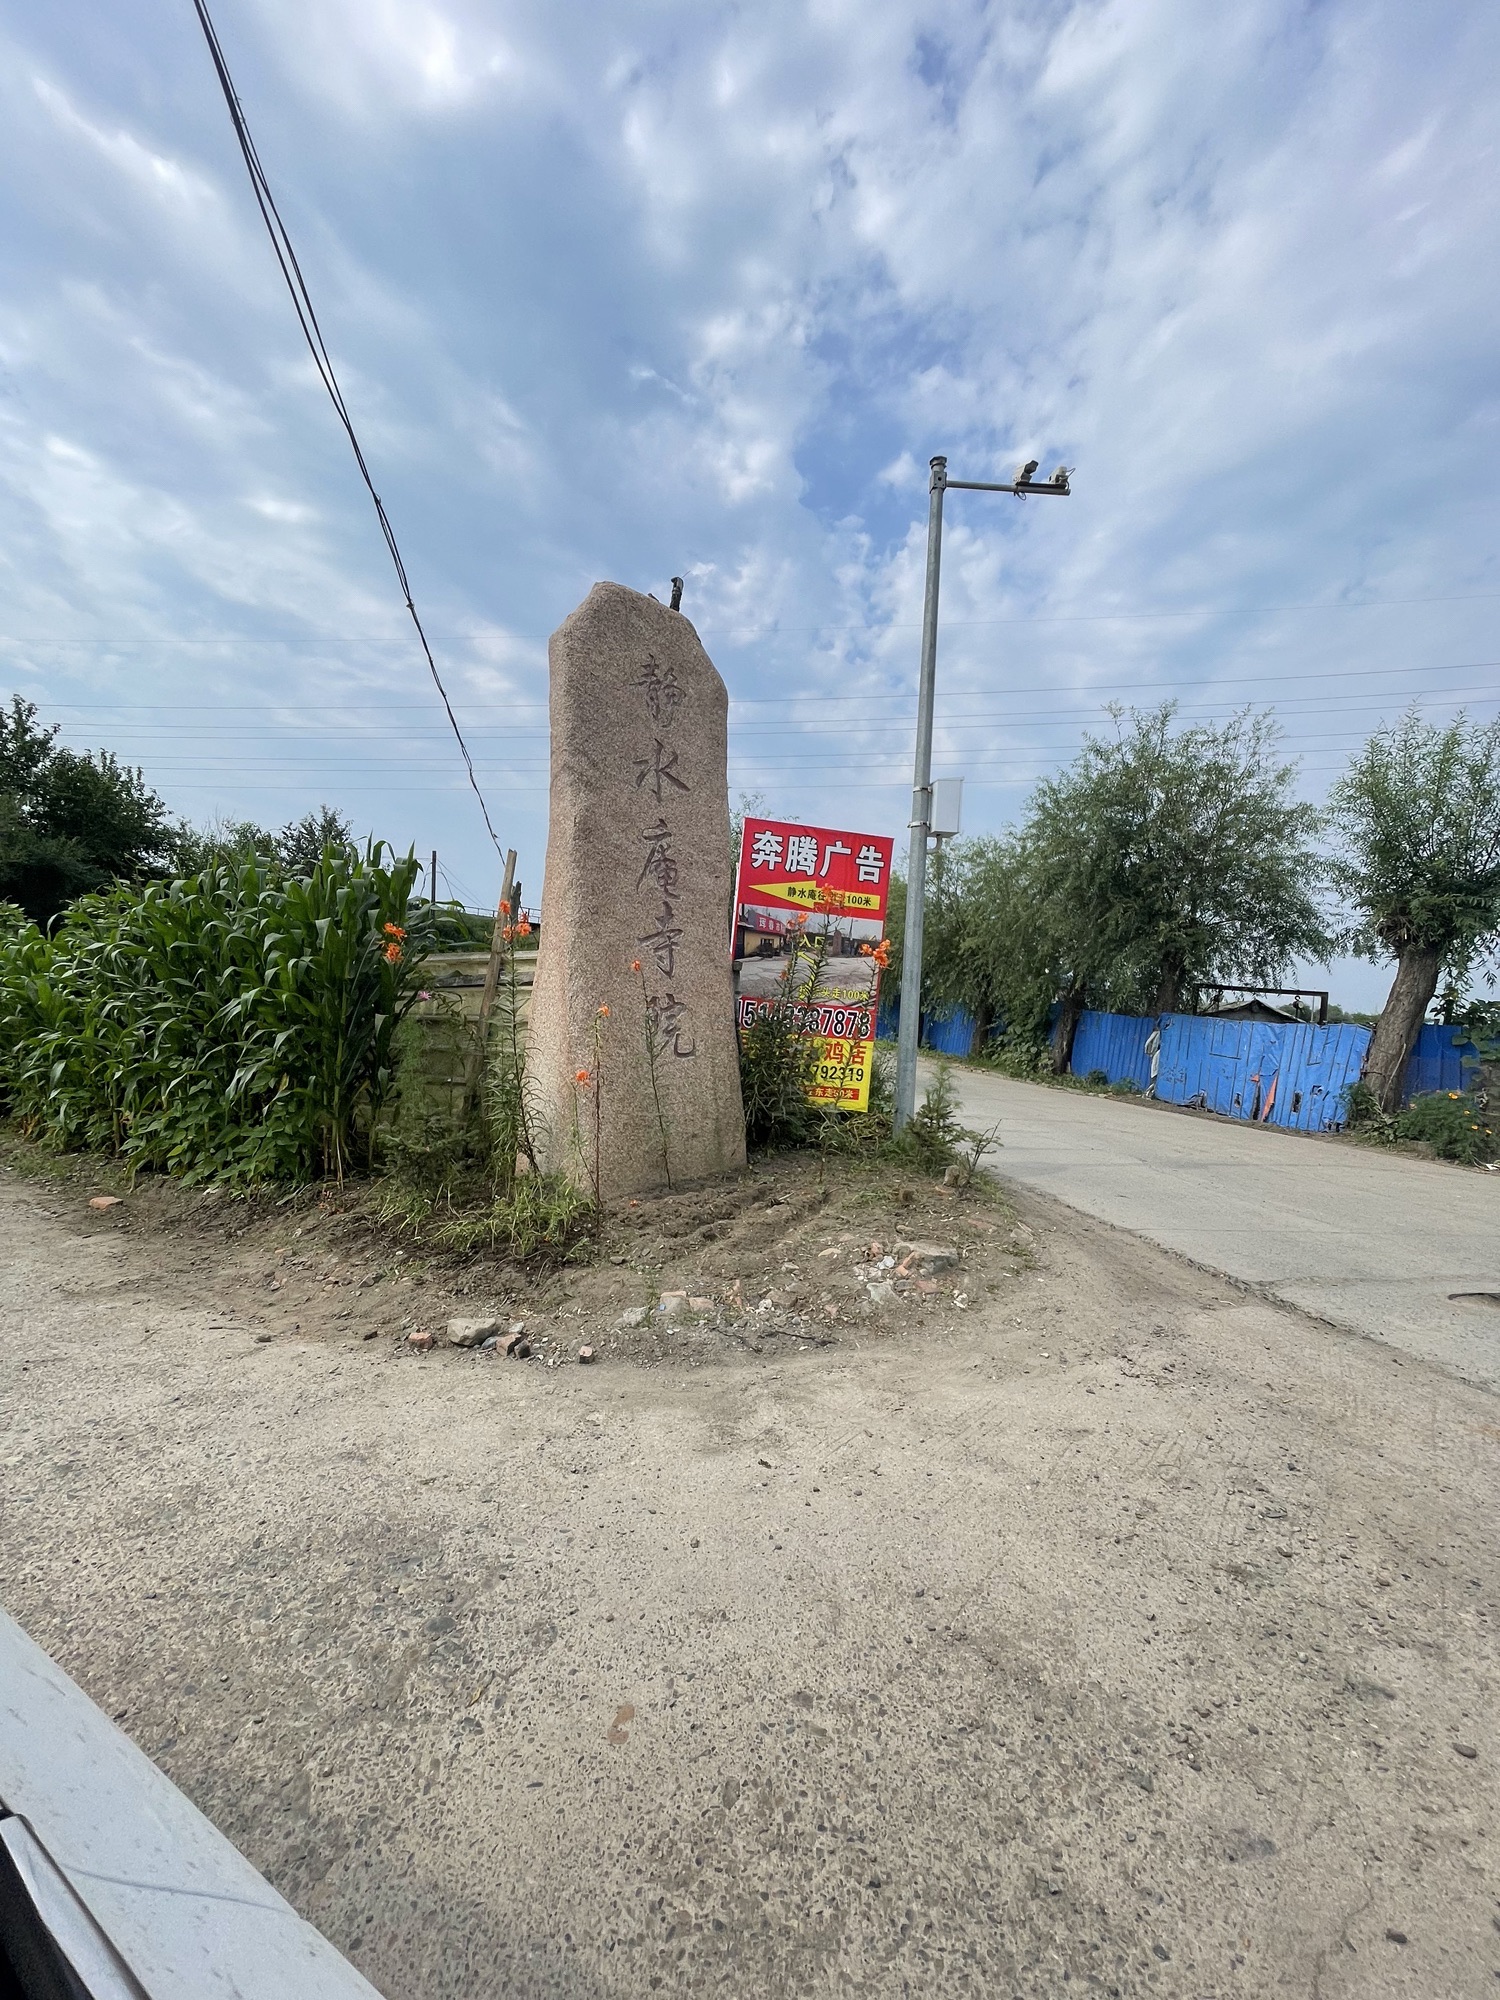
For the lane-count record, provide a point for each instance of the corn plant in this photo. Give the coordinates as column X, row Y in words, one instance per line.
column 236, row 1025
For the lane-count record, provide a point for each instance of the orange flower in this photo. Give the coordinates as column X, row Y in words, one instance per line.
column 393, row 930
column 393, row 953
column 635, row 965
column 504, row 907
column 604, row 1013
column 523, row 929
column 582, row 1076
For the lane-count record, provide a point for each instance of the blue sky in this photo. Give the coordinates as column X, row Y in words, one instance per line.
column 651, row 288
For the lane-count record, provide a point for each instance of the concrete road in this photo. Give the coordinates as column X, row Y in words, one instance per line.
column 1130, row 1636
column 1374, row 1242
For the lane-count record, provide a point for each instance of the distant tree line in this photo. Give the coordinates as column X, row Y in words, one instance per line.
column 1168, row 858
column 72, row 821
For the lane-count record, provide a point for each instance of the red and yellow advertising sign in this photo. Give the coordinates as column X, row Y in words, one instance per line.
column 814, row 868
column 810, row 908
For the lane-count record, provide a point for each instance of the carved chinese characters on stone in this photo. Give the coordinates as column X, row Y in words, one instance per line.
column 634, row 905
column 663, row 695
column 669, row 1030
column 657, row 769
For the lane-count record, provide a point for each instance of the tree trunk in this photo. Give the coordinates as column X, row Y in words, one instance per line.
column 1168, row 990
column 1066, row 1028
column 979, row 1040
column 1400, row 1020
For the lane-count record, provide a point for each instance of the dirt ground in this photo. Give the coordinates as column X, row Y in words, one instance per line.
column 784, row 1255
column 1113, row 1631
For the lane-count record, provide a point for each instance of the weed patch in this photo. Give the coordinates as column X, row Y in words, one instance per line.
column 1449, row 1124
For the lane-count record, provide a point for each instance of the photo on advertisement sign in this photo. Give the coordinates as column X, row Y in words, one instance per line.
column 809, row 919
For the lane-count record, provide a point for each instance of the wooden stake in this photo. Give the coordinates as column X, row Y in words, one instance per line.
column 504, row 916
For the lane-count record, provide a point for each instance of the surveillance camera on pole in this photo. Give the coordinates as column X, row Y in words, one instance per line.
column 921, row 823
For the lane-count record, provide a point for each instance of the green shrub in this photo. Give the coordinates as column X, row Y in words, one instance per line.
column 233, row 1026
column 776, row 1068
column 432, row 1154
column 930, row 1137
column 1453, row 1123
column 933, row 1137
column 1098, row 1079
column 458, row 1167
column 1362, row 1112
column 1016, row 1055
column 534, row 1216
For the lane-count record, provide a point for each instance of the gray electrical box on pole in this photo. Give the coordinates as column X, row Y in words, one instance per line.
column 947, row 808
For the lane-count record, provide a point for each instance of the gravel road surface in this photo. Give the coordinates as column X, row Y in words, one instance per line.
column 1132, row 1636
column 1375, row 1242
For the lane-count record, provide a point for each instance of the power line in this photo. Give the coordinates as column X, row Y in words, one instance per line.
column 537, row 788
column 778, row 629
column 792, row 700
column 1307, row 749
column 1345, row 709
column 456, row 890
column 1307, row 725
column 312, row 333
column 1133, row 617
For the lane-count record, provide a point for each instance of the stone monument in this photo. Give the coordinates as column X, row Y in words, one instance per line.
column 632, row 1062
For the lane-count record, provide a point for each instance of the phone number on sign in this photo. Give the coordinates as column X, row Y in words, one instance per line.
column 845, row 1023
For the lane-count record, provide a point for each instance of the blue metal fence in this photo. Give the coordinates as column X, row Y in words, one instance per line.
column 948, row 1034
column 1283, row 1073
column 1115, row 1043
column 1279, row 1072
column 1443, row 1059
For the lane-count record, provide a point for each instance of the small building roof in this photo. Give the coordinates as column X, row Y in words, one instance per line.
column 1251, row 1010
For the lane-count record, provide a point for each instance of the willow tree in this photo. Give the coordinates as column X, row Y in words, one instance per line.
column 1167, row 858
column 981, row 950
column 1419, row 812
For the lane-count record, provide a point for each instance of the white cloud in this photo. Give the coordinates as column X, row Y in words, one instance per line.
column 656, row 288
column 157, row 174
column 370, row 57
column 294, row 512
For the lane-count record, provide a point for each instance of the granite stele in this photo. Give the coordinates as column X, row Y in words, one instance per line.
column 632, row 1065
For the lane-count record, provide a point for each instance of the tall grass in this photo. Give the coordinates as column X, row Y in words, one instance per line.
column 235, row 1026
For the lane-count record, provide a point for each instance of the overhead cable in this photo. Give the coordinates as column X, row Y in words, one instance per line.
column 307, row 319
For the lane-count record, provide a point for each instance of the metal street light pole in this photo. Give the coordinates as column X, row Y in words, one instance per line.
column 921, row 784
column 909, row 1033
